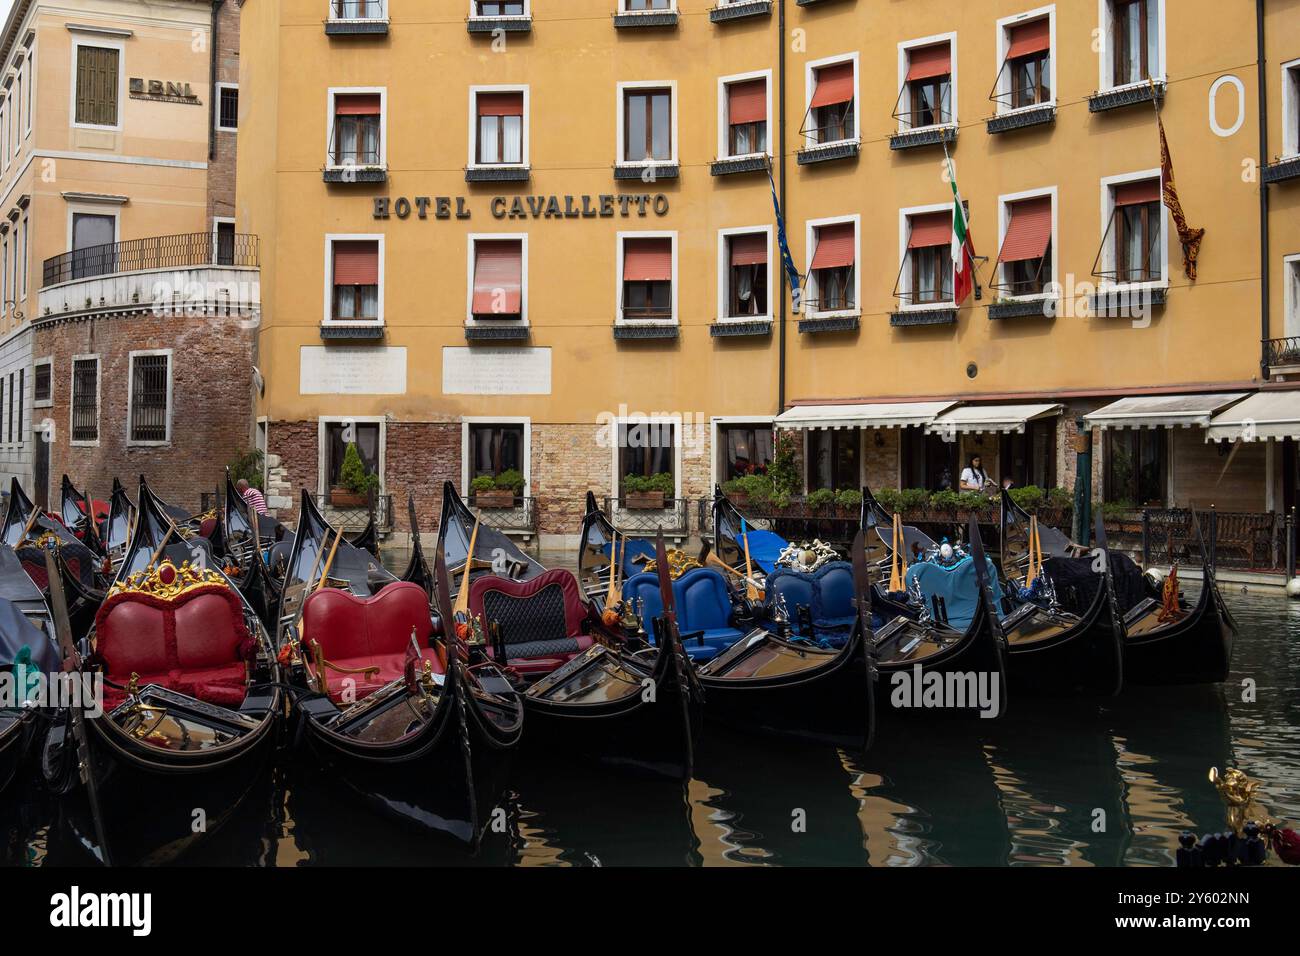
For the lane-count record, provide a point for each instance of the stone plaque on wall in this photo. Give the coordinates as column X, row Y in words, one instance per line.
column 352, row 370
column 496, row 371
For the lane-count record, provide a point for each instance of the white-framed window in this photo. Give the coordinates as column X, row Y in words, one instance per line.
column 500, row 9
column 925, row 276
column 742, row 445
column 5, row 297
column 83, row 412
column 16, row 121
column 223, row 240
column 832, row 95
column 1291, row 108
column 149, row 397
column 927, row 82
column 647, row 277
column 493, row 445
column 357, row 134
column 1291, row 295
column 359, row 10
column 354, row 279
column 647, row 123
column 1132, row 42
column 92, row 232
column 497, row 277
column 5, row 107
column 335, row 433
column 98, row 82
column 645, row 446
column 1027, row 230
column 31, row 82
column 1135, row 232
column 227, row 111
column 745, row 290
column 23, row 254
column 1027, row 52
column 498, row 122
column 43, row 382
column 834, row 281
column 745, row 114
column 647, row 6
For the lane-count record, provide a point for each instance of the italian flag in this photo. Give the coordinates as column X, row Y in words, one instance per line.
column 963, row 252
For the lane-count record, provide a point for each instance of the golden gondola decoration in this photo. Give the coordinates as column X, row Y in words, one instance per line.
column 679, row 562
column 166, row 581
column 1252, row 831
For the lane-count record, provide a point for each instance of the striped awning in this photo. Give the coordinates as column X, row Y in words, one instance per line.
column 1262, row 416
column 969, row 419
column 1163, row 411
column 875, row 415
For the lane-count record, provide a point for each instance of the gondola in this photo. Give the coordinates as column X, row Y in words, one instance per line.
column 385, row 696
column 27, row 641
column 880, row 529
column 115, row 533
column 587, row 689
column 82, row 515
column 245, row 549
column 192, row 700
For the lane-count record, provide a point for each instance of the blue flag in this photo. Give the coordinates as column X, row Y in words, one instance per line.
column 796, row 295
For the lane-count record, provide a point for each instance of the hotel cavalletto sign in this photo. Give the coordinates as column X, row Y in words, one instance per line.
column 605, row 206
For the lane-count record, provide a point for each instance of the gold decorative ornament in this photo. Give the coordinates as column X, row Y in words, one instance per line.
column 679, row 562
column 1238, row 794
column 806, row 557
column 166, row 581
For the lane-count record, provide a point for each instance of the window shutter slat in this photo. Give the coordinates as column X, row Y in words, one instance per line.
column 747, row 102
column 929, row 61
column 930, row 229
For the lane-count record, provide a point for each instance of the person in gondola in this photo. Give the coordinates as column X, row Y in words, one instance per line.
column 252, row 497
column 973, row 476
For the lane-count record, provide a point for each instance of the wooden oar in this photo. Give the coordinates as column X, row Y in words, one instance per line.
column 462, row 596
column 329, row 563
column 36, row 513
column 751, row 592
column 614, row 562
column 897, row 566
column 1034, row 565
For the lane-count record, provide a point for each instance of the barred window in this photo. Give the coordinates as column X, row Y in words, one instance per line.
column 149, row 375
column 85, row 400
column 228, row 108
column 22, row 389
column 41, row 383
column 97, row 85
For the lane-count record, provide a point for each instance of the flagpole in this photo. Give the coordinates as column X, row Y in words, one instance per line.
column 976, row 288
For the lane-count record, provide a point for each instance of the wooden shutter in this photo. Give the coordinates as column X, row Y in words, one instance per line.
column 1137, row 193
column 930, row 229
column 356, row 262
column 97, row 85
column 1029, row 231
column 1027, row 38
column 648, row 260
column 929, row 61
column 835, row 246
column 834, row 85
column 749, row 250
column 747, row 102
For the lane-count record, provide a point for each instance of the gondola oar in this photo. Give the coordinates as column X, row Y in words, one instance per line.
column 76, row 719
column 462, row 596
column 862, row 596
column 329, row 563
column 751, row 591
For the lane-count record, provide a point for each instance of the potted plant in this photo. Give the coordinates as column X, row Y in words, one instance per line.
column 741, row 491
column 484, row 493
column 647, row 492
column 355, row 483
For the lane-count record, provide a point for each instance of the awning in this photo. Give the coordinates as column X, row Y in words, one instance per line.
column 877, row 415
column 1159, row 411
column 1263, row 415
column 969, row 419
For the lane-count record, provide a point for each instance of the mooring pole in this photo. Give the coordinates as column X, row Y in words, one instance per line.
column 1082, row 482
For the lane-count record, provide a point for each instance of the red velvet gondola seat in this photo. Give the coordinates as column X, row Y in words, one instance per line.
column 366, row 639
column 540, row 619
column 194, row 643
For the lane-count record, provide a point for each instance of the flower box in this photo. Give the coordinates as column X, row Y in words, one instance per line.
column 644, row 500
column 496, row 498
column 342, row 498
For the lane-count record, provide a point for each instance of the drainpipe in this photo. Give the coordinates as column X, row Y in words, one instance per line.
column 1264, row 254
column 212, row 83
column 785, row 211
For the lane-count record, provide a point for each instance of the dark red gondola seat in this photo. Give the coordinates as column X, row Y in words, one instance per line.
column 208, row 526
column 356, row 634
column 541, row 619
column 190, row 644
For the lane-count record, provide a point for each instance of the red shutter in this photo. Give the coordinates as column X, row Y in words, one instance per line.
column 498, row 277
column 749, row 250
column 1029, row 231
column 501, row 104
column 356, row 104
column 928, row 61
column 1027, row 38
column 835, row 246
column 648, row 260
column 356, row 262
column 834, row 85
column 931, row 229
column 747, row 102
column 1134, row 194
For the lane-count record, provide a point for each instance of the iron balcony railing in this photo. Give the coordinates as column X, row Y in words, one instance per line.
column 353, row 519
column 157, row 252
column 674, row 518
column 517, row 518
column 1241, row 540
column 1283, row 351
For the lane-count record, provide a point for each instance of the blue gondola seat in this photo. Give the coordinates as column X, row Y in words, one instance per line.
column 704, row 614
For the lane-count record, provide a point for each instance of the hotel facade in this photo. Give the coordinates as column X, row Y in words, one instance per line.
column 540, row 236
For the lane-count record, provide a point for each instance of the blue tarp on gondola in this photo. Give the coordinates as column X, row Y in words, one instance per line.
column 764, row 548
column 957, row 585
column 635, row 553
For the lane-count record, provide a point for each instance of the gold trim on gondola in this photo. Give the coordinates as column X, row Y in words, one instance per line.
column 679, row 562
column 167, row 581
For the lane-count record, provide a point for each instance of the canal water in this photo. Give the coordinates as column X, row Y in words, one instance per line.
column 1055, row 782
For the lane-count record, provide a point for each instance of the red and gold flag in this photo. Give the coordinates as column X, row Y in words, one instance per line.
column 1189, row 238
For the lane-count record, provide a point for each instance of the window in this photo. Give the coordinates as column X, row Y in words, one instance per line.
column 831, row 113
column 499, row 8
column 18, row 112
column 927, row 95
column 337, row 435
column 42, row 384
column 645, row 449
column 150, row 391
column 834, row 458
column 1136, row 467
column 494, row 448
column 22, row 256
column 1025, row 260
column 1027, row 74
column 31, row 81
column 1291, row 108
column 85, row 400
column 97, row 84
column 648, row 125
column 499, row 130
column 832, row 274
column 1291, row 296
column 1135, row 40
column 1029, row 458
column 13, row 400
column 93, row 235
column 745, row 261
column 223, row 242
column 746, row 117
column 4, row 277
column 1133, row 249
column 356, row 136
column 647, row 280
column 928, row 461
column 357, row 10
column 636, row 6
column 228, row 107
column 22, row 394
column 354, row 280
column 926, row 276
column 744, row 450
column 4, row 133
column 498, row 287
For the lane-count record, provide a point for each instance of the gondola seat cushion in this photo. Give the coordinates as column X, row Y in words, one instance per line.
column 703, row 607
column 355, row 633
column 795, row 587
column 193, row 643
column 958, row 585
column 208, row 526
column 540, row 619
column 833, row 607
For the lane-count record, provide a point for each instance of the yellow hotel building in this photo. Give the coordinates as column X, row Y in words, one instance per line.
column 503, row 234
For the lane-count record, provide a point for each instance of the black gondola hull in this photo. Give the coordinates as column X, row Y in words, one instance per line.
column 1194, row 650
column 1086, row 658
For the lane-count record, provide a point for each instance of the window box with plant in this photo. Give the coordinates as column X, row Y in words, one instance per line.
column 355, row 483
column 500, row 491
column 647, row 492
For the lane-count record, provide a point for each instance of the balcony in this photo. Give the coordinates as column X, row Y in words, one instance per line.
column 937, row 315
column 828, row 152
column 728, row 10
column 1128, row 302
column 929, row 136
column 496, row 330
column 727, row 328
column 625, row 19
column 518, row 520
column 352, row 520
column 190, row 274
column 1284, row 169
column 1030, row 307
column 1283, row 355
column 1124, row 96
column 1024, row 118
column 732, row 165
column 505, row 24
column 647, row 172
column 673, row 519
column 645, row 329
column 358, row 18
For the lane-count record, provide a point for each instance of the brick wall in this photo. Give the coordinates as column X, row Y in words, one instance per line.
column 211, row 402
column 221, row 168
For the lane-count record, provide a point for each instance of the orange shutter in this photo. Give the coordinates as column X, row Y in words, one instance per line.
column 501, row 104
column 1029, row 231
column 356, row 262
column 1027, row 38
column 930, row 229
column 648, row 260
column 749, row 250
column 747, row 102
column 925, row 62
column 1134, row 194
column 834, row 85
column 357, row 104
column 498, row 277
column 835, row 246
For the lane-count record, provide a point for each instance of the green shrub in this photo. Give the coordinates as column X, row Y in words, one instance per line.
column 913, row 499
column 1030, row 497
column 784, row 469
column 755, row 486
column 1060, row 498
column 512, row 480
column 780, row 499
column 482, row 483
column 247, row 466
column 973, row 501
column 945, row 501
column 821, row 498
column 848, row 498
column 1117, row 509
column 643, row 484
column 889, row 499
column 353, row 473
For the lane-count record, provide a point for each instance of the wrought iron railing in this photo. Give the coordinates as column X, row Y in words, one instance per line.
column 1283, row 351
column 1240, row 540
column 517, row 518
column 156, row 252
column 350, row 518
column 674, row 518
